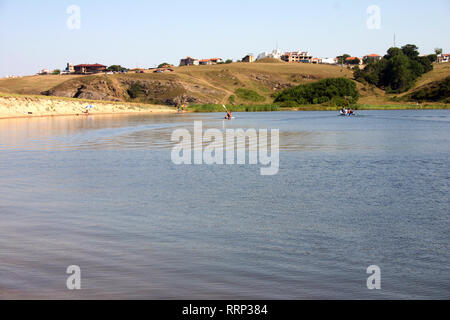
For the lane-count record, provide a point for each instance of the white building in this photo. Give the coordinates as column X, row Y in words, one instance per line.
column 327, row 60
column 443, row 58
column 275, row 54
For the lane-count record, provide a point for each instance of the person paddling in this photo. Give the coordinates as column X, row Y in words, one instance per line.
column 229, row 115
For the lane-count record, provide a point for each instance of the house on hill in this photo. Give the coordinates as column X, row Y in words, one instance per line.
column 445, row 57
column 70, row 68
column 210, row 61
column 353, row 60
column 297, row 56
column 189, row 61
column 89, row 68
column 44, row 71
column 248, row 58
column 328, row 61
column 372, row 57
column 216, row 60
column 275, row 54
column 204, row 62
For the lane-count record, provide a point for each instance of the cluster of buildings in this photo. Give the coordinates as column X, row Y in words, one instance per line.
column 189, row 61
column 290, row 57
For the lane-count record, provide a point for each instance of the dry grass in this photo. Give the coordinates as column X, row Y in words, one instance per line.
column 33, row 84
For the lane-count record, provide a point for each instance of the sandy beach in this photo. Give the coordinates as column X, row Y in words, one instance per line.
column 17, row 106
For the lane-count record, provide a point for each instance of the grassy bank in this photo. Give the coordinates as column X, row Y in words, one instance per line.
column 402, row 107
column 219, row 108
column 313, row 107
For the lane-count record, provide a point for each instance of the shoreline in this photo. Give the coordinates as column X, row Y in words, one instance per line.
column 2, row 117
column 14, row 106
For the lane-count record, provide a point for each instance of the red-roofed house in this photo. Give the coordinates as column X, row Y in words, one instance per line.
column 445, row 57
column 89, row 68
column 216, row 60
column 373, row 56
column 210, row 61
column 205, row 62
column 352, row 60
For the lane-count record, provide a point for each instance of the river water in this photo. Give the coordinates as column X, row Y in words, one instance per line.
column 102, row 193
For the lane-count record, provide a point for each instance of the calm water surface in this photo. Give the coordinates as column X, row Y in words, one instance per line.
column 101, row 192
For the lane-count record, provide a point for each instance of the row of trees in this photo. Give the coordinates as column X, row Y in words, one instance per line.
column 117, row 68
column 397, row 71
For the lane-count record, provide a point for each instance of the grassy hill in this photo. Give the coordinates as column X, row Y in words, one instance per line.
column 370, row 95
column 236, row 83
column 239, row 83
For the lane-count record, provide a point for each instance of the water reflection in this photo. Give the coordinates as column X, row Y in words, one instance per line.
column 111, row 132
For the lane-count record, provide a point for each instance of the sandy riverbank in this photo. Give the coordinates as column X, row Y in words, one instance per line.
column 14, row 106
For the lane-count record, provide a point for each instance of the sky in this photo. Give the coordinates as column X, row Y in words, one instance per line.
column 36, row 34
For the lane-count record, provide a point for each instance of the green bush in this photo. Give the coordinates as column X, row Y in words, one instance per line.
column 320, row 92
column 289, row 104
column 437, row 91
column 249, row 95
column 135, row 90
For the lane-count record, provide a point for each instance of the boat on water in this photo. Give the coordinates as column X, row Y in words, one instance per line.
column 346, row 112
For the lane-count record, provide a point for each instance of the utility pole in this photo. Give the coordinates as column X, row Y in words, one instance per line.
column 395, row 44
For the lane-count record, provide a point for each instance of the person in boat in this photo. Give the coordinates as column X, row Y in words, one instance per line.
column 349, row 112
column 229, row 115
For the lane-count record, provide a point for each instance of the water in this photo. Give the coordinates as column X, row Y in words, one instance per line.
column 102, row 193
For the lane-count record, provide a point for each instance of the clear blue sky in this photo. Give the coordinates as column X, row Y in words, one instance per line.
column 134, row 33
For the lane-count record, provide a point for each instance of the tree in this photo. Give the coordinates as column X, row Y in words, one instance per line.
column 116, row 68
column 358, row 74
column 135, row 90
column 397, row 70
column 341, row 59
column 438, row 51
column 228, row 61
column 354, row 61
column 398, row 76
column 411, row 51
column 432, row 57
column 56, row 71
column 164, row 65
column 392, row 52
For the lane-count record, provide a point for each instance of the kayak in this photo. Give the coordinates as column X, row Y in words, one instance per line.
column 341, row 113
